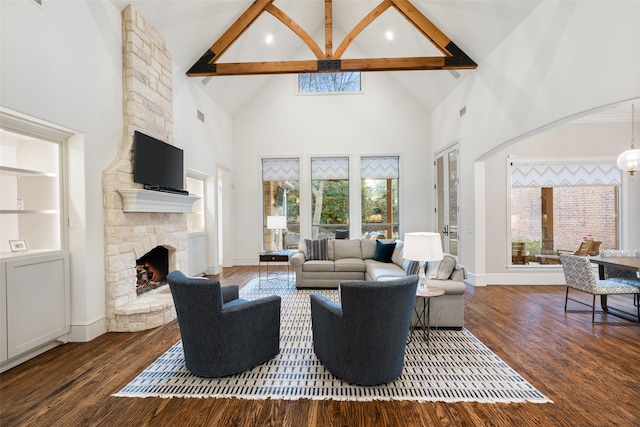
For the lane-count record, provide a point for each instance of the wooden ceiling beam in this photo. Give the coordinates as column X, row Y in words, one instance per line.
column 371, row 16
column 313, row 66
column 293, row 25
column 330, row 61
column 239, row 27
column 422, row 23
column 328, row 29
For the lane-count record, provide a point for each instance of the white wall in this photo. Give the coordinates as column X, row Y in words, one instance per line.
column 277, row 122
column 566, row 58
column 62, row 63
column 207, row 146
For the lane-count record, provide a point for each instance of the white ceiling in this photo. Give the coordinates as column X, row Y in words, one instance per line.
column 190, row 27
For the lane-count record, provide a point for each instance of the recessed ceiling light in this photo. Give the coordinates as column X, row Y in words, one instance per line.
column 389, row 35
column 268, row 39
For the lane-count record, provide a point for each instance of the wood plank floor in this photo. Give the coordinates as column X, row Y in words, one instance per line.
column 591, row 372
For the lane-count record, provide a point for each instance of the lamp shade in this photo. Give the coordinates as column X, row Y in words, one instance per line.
column 276, row 222
column 422, row 246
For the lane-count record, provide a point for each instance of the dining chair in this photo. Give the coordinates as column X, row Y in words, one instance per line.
column 579, row 275
column 518, row 253
column 622, row 275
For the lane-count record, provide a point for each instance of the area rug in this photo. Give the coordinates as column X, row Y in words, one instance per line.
column 456, row 367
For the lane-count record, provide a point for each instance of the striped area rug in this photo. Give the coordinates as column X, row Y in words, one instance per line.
column 456, row 368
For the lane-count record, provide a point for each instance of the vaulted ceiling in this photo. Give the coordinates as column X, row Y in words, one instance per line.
column 191, row 27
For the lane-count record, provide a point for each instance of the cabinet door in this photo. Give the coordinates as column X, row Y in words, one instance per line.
column 197, row 254
column 200, row 254
column 38, row 302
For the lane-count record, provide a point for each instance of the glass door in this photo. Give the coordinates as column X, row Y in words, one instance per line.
column 447, row 197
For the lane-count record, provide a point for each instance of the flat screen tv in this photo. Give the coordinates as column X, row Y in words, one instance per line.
column 157, row 164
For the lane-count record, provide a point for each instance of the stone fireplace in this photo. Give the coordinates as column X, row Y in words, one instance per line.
column 131, row 235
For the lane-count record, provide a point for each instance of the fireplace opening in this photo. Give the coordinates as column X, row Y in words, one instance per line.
column 152, row 269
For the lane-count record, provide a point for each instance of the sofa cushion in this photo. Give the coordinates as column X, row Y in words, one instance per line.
column 368, row 248
column 396, row 257
column 377, row 270
column 346, row 249
column 411, row 267
column 316, row 249
column 349, row 264
column 323, row 266
column 384, row 251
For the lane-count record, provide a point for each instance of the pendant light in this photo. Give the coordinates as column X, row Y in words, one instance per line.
column 629, row 161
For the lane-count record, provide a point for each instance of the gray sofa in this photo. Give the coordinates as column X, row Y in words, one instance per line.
column 355, row 260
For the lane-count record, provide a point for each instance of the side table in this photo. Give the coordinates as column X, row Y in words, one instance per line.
column 270, row 257
column 422, row 313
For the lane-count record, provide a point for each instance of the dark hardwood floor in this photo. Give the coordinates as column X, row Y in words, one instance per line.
column 591, row 372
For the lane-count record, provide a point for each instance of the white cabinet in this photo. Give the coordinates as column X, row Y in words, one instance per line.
column 36, row 299
column 197, row 254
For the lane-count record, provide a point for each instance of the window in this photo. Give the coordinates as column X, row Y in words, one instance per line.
column 329, row 82
column 379, row 196
column 330, row 195
column 281, row 197
column 554, row 207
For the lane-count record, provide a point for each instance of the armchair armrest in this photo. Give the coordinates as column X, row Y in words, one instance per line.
column 229, row 293
column 324, row 303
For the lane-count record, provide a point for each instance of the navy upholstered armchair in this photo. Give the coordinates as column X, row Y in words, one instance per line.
column 222, row 334
column 363, row 339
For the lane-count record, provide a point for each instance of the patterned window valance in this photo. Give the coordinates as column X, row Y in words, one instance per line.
column 280, row 169
column 379, row 167
column 330, row 168
column 539, row 175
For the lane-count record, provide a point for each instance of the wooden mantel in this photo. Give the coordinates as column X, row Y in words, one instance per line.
column 140, row 200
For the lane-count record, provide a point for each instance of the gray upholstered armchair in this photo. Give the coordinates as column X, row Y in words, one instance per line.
column 363, row 339
column 222, row 334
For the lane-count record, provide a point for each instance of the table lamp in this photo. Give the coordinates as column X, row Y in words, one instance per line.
column 422, row 247
column 277, row 222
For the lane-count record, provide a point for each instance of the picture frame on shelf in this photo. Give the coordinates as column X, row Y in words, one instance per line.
column 18, row 245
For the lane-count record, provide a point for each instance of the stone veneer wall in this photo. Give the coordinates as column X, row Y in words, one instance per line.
column 147, row 107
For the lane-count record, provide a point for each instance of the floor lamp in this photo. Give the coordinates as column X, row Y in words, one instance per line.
column 277, row 222
column 422, row 247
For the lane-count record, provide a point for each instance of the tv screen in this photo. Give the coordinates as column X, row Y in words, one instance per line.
column 156, row 163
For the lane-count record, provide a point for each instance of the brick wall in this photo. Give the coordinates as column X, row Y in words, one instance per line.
column 579, row 211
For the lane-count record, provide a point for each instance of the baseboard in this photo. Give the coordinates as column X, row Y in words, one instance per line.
column 517, row 278
column 88, row 331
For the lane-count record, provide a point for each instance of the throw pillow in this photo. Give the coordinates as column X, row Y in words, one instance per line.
column 397, row 253
column 411, row 267
column 317, row 249
column 447, row 264
column 384, row 251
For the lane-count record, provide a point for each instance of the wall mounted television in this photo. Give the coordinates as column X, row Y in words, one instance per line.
column 156, row 164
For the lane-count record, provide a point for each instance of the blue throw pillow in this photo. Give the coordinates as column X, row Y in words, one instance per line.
column 384, row 251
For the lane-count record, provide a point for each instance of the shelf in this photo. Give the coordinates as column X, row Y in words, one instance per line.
column 31, row 211
column 140, row 200
column 6, row 170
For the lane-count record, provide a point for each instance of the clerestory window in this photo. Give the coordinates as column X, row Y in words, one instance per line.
column 329, row 82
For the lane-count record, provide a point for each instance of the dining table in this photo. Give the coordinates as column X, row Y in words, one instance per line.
column 623, row 262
